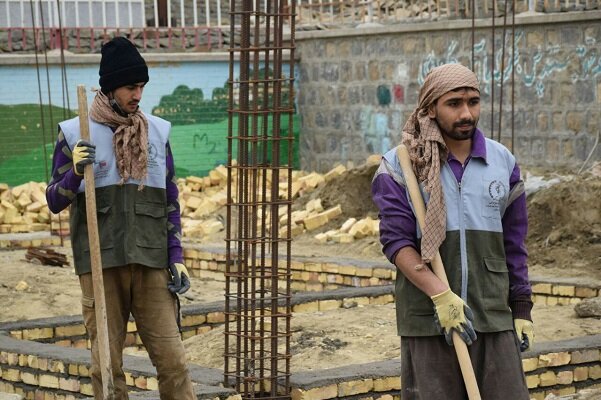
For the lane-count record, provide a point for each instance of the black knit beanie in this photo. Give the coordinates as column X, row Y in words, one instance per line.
column 121, row 64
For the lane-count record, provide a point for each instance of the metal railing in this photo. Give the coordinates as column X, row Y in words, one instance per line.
column 215, row 13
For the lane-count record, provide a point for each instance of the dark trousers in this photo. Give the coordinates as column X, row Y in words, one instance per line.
column 143, row 292
column 430, row 370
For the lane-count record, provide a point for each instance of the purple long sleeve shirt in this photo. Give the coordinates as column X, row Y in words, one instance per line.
column 398, row 227
column 64, row 184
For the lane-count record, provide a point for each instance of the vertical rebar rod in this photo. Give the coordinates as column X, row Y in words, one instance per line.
column 502, row 70
column 257, row 289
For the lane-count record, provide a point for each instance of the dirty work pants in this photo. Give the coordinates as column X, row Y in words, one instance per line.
column 430, row 370
column 141, row 291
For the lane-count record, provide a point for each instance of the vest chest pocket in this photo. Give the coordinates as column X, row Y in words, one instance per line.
column 495, row 284
column 151, row 225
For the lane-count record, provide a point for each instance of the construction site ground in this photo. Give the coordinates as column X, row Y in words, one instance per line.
column 564, row 241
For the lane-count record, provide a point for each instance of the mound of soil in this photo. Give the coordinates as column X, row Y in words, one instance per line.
column 565, row 226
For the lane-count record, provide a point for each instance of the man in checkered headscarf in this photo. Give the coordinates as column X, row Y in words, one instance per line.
column 476, row 218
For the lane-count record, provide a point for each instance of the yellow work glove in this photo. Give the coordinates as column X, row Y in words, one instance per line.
column 84, row 153
column 451, row 313
column 524, row 329
column 180, row 281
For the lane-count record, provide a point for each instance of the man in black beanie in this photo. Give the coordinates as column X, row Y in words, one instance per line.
column 138, row 221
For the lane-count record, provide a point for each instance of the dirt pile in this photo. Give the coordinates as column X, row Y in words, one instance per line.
column 565, row 225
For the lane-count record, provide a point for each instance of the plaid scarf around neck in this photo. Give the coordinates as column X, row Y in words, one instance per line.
column 130, row 138
column 428, row 151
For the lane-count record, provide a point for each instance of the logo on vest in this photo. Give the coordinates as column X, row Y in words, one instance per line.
column 497, row 190
column 102, row 171
column 152, row 158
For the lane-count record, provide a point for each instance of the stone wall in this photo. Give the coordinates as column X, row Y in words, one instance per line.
column 357, row 87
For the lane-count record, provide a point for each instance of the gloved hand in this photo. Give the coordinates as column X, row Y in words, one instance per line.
column 525, row 331
column 180, row 281
column 84, row 153
column 451, row 313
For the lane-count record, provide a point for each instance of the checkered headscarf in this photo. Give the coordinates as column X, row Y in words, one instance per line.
column 428, row 151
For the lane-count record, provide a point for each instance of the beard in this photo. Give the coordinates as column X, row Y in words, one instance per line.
column 460, row 130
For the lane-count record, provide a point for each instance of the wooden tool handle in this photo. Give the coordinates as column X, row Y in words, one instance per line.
column 469, row 378
column 102, row 332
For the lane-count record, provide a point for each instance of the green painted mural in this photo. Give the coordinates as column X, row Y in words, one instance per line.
column 198, row 136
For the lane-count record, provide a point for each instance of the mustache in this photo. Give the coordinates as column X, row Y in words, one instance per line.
column 464, row 122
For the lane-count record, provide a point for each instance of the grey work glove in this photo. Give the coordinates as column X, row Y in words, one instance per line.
column 180, row 281
column 452, row 314
column 84, row 153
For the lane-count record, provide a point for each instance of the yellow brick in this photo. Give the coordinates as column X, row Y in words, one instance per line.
column 12, row 359
column 579, row 357
column 355, row 387
column 11, row 374
column 566, row 391
column 56, row 366
column 386, row 384
column 72, row 370
column 188, row 334
column 297, row 286
column 129, row 379
column 29, row 378
column 71, row 330
column 325, row 305
column 69, row 384
column 17, row 334
column 319, row 393
column 594, row 372
column 564, row 301
column 86, row 389
column 384, row 397
column 563, row 290
column 215, row 317
column 364, row 272
column 152, row 383
column 193, row 320
column 548, row 378
column 532, row 381
column 542, row 288
column 83, row 370
column 580, row 374
column 382, row 273
column 554, row 359
column 140, row 382
column 330, row 268
column 313, row 267
column 22, row 360
column 551, row 301
column 306, row 307
column 530, row 364
column 38, row 333
column 203, row 329
column 314, row 287
column 347, row 270
column 131, row 326
column 49, row 381
column 565, row 377
column 585, row 292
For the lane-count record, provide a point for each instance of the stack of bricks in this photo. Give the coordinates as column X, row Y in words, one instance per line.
column 562, row 292
column 29, row 240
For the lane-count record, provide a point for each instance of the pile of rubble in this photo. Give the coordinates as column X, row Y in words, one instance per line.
column 203, row 203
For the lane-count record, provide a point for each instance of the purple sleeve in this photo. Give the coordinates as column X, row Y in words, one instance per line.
column 397, row 222
column 515, row 228
column 64, row 183
column 174, row 226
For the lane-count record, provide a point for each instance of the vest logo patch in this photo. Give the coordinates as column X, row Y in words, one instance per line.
column 497, row 190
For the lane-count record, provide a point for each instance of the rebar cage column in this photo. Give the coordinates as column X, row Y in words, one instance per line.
column 259, row 194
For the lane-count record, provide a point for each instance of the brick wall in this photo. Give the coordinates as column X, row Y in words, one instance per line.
column 357, row 87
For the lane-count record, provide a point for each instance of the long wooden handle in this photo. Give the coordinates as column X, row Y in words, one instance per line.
column 108, row 388
column 469, row 378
